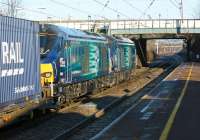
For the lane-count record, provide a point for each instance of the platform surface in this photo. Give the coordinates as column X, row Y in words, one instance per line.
column 170, row 111
column 186, row 124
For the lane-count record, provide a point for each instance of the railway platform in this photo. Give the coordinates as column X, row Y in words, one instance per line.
column 169, row 111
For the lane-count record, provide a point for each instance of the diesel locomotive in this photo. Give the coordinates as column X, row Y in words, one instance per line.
column 74, row 62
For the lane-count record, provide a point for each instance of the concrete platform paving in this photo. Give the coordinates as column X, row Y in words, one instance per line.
column 186, row 124
column 169, row 111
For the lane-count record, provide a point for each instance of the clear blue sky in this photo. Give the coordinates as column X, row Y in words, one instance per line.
column 62, row 10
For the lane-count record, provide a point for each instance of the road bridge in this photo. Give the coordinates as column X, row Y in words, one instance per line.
column 142, row 30
column 153, row 26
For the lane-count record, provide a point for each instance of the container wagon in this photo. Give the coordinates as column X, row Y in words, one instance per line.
column 19, row 68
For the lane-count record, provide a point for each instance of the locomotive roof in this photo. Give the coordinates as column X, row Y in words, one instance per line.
column 119, row 39
column 123, row 40
column 71, row 33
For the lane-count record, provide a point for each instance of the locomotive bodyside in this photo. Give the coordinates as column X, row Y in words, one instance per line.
column 74, row 55
column 122, row 54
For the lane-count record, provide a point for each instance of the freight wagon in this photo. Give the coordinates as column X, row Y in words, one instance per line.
column 19, row 68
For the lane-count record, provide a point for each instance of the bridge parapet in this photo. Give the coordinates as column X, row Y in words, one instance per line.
column 164, row 23
column 156, row 26
column 134, row 26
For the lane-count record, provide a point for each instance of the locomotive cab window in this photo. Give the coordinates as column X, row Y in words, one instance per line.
column 49, row 43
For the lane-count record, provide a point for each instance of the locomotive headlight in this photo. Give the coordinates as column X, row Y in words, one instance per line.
column 62, row 62
column 61, row 73
column 46, row 74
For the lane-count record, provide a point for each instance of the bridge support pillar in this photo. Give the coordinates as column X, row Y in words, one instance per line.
column 188, row 49
column 141, row 47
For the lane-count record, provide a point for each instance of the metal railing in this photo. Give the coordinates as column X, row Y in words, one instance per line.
column 129, row 24
column 164, row 24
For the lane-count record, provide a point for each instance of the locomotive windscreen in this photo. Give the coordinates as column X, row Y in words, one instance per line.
column 49, row 45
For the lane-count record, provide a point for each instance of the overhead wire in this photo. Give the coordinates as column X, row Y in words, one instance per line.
column 31, row 10
column 176, row 1
column 152, row 2
column 111, row 9
column 100, row 3
column 174, row 4
column 146, row 10
column 148, row 7
column 106, row 4
column 76, row 9
column 131, row 5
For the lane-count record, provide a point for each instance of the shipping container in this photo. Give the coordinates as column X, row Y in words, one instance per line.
column 19, row 63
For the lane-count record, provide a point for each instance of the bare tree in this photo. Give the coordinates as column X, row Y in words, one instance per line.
column 13, row 7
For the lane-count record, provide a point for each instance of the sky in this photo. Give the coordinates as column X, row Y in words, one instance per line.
column 119, row 9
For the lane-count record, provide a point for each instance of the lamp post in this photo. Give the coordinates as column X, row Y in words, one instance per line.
column 89, row 19
column 181, row 8
column 159, row 17
column 118, row 18
column 149, row 17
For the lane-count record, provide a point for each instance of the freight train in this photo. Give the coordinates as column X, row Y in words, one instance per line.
column 49, row 64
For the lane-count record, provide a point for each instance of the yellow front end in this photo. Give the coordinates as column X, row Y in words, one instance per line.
column 47, row 80
column 47, row 76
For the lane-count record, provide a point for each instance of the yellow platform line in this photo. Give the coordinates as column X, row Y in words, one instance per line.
column 165, row 132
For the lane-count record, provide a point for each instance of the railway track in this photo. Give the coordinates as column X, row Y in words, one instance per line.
column 74, row 121
column 88, row 131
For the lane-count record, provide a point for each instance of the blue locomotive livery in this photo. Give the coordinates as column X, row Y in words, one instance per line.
column 80, row 62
